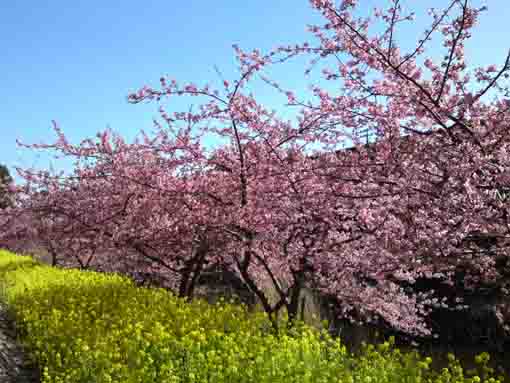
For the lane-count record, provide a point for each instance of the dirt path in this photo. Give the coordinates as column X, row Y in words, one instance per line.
column 14, row 367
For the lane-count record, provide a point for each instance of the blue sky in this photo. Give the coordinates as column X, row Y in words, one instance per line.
column 76, row 61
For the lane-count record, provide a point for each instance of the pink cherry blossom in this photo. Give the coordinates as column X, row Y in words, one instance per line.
column 397, row 172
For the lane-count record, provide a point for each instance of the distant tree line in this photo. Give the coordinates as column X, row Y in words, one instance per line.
column 5, row 181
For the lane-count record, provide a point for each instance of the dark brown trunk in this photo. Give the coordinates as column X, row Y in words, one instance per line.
column 293, row 305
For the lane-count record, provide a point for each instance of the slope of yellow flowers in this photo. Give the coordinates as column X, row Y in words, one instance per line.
column 88, row 327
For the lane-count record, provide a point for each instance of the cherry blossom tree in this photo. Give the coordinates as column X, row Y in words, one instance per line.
column 283, row 204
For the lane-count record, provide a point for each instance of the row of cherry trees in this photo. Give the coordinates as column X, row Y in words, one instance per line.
column 281, row 204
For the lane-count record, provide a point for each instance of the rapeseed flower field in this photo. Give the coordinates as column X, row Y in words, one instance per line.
column 89, row 327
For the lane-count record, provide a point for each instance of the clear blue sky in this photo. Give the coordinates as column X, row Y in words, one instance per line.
column 76, row 61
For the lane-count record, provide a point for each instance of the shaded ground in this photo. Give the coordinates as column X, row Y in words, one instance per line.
column 14, row 365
